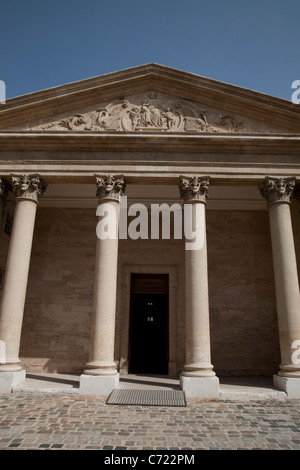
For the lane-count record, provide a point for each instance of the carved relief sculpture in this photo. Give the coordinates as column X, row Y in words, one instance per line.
column 150, row 112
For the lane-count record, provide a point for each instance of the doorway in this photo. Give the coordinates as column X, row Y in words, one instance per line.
column 149, row 312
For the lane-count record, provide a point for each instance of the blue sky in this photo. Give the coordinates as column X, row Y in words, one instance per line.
column 254, row 44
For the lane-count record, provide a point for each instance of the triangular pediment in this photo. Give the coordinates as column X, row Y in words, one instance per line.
column 151, row 99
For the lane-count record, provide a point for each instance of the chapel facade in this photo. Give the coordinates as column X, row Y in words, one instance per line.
column 150, row 225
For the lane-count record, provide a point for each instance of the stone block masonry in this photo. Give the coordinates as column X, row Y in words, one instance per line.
column 56, row 328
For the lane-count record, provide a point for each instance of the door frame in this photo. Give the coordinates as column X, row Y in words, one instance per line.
column 127, row 270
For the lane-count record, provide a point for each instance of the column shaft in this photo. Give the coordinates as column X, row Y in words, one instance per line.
column 101, row 361
column 198, row 361
column 15, row 283
column 198, row 356
column 278, row 191
column 286, row 285
column 105, row 288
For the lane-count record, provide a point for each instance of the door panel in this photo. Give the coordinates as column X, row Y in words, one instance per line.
column 149, row 333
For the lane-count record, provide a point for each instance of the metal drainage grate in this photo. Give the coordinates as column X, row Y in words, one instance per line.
column 146, row 397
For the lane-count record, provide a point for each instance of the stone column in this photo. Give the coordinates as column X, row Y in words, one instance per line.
column 27, row 190
column 198, row 378
column 277, row 192
column 101, row 376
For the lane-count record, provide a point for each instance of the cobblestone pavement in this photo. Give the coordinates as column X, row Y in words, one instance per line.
column 30, row 420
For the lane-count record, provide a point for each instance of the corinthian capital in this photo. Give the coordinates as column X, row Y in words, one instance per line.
column 110, row 187
column 194, row 188
column 277, row 189
column 28, row 186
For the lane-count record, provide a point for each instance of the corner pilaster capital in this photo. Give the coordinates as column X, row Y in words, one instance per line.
column 277, row 189
column 28, row 186
column 5, row 187
column 110, row 187
column 296, row 192
column 194, row 188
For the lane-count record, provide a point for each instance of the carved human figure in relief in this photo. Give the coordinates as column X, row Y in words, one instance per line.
column 171, row 119
column 135, row 117
column 150, row 117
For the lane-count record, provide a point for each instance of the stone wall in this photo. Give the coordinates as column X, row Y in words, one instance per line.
column 56, row 328
column 244, row 331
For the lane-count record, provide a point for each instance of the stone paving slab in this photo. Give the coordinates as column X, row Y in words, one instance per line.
column 37, row 420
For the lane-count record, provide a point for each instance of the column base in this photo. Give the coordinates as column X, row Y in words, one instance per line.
column 9, row 379
column 198, row 370
column 101, row 385
column 290, row 385
column 100, row 368
column 11, row 366
column 200, row 387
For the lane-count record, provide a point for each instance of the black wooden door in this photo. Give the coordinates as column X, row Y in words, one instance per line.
column 149, row 333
